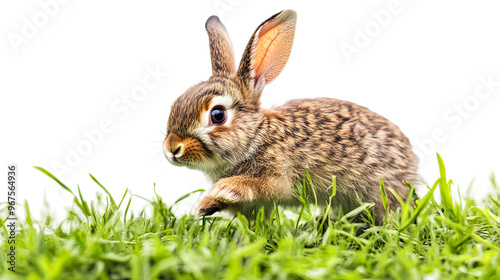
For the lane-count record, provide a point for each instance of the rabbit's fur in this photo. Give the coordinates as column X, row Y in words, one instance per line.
column 258, row 155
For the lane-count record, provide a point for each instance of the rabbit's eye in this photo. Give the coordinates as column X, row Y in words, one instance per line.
column 218, row 115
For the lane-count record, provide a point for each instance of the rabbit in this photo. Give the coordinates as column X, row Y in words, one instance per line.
column 255, row 156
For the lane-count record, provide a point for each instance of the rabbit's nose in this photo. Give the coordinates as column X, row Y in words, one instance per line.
column 172, row 143
column 173, row 148
column 178, row 150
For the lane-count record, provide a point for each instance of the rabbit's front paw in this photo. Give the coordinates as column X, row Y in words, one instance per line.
column 208, row 206
column 233, row 189
column 225, row 192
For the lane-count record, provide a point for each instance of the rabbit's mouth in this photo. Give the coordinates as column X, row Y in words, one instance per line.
column 185, row 151
column 179, row 158
column 173, row 159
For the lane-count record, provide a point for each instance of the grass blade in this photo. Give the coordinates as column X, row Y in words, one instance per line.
column 421, row 205
column 384, row 198
column 54, row 178
column 187, row 195
column 444, row 189
column 100, row 185
column 123, row 197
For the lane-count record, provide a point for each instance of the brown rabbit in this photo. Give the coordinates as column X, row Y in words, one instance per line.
column 255, row 156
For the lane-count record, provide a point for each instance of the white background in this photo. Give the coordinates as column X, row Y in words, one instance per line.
column 64, row 74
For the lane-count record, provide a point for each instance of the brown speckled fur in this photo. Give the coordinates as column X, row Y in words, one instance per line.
column 261, row 154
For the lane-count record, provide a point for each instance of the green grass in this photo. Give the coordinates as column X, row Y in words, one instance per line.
column 102, row 239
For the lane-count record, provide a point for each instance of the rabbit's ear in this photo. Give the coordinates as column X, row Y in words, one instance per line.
column 221, row 49
column 268, row 50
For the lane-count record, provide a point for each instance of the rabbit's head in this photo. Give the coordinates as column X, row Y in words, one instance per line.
column 216, row 123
